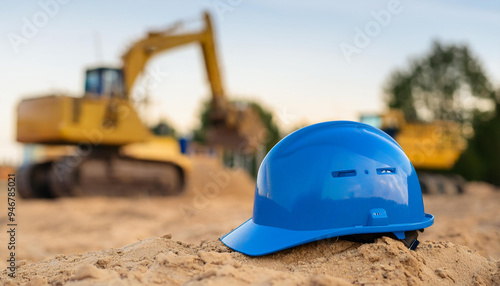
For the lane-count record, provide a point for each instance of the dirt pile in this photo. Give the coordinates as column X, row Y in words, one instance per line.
column 164, row 261
column 218, row 200
column 471, row 219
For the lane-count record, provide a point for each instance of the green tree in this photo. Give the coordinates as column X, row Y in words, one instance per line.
column 481, row 160
column 447, row 83
column 163, row 128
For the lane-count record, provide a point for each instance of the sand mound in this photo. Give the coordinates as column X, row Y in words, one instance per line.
column 218, row 200
column 209, row 174
column 164, row 261
column 471, row 219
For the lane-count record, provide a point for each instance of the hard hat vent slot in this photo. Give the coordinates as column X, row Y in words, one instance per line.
column 344, row 173
column 385, row 171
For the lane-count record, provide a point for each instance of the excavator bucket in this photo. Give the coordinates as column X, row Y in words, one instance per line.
column 240, row 129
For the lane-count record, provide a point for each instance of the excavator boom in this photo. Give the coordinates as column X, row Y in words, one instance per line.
column 135, row 59
column 229, row 127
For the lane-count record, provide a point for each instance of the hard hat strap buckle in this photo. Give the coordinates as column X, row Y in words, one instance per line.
column 408, row 238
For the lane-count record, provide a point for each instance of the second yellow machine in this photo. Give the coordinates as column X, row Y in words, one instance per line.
column 433, row 148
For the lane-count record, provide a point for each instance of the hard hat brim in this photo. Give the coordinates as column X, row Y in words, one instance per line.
column 256, row 240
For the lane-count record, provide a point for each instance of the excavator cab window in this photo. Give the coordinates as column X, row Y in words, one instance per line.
column 388, row 124
column 104, row 82
column 373, row 120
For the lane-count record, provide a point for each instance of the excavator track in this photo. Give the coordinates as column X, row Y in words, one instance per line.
column 102, row 174
column 33, row 181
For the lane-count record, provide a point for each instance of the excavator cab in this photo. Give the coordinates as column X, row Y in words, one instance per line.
column 390, row 122
column 104, row 82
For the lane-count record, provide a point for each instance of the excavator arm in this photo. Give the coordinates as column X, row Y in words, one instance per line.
column 135, row 59
column 229, row 126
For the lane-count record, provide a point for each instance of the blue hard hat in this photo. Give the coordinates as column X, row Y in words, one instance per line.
column 332, row 179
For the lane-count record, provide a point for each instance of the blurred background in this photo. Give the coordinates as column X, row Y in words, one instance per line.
column 192, row 92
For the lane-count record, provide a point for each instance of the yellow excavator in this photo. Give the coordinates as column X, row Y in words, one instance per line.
column 433, row 148
column 114, row 153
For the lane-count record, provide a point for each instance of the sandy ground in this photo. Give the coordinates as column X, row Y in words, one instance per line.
column 174, row 240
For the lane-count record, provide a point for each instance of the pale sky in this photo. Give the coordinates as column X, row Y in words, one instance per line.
column 287, row 55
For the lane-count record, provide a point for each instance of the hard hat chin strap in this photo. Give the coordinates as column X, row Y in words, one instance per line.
column 408, row 238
